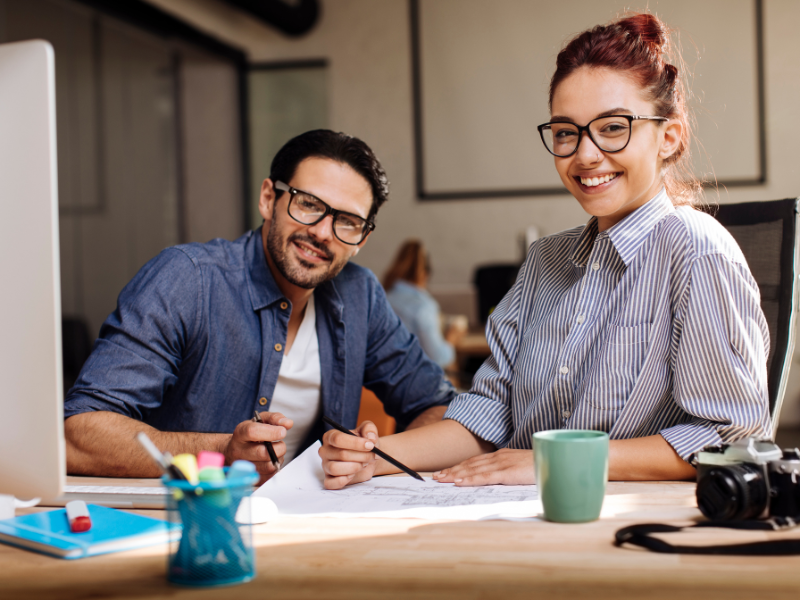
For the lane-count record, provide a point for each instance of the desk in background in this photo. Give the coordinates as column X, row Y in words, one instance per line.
column 352, row 559
column 471, row 351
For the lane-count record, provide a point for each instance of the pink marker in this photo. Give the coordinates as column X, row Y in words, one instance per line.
column 78, row 516
column 210, row 459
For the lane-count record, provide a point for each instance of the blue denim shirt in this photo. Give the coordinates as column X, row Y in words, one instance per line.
column 198, row 334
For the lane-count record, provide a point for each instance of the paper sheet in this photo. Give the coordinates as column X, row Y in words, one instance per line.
column 298, row 490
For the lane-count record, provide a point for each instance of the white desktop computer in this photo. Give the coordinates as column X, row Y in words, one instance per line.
column 32, row 453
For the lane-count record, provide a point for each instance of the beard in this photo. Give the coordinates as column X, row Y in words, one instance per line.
column 294, row 269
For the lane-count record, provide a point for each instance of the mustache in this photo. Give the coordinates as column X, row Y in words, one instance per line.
column 321, row 248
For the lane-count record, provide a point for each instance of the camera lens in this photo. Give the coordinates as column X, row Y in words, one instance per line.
column 732, row 492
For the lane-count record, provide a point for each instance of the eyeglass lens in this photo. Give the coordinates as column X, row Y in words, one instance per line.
column 610, row 134
column 309, row 210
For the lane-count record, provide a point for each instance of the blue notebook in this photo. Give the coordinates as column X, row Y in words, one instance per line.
column 112, row 531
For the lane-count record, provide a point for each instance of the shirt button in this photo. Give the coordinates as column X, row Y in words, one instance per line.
column 262, row 401
column 284, row 305
column 566, row 414
column 564, row 370
column 595, row 266
column 278, row 347
column 580, row 319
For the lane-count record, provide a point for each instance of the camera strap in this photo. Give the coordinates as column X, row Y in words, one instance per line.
column 640, row 535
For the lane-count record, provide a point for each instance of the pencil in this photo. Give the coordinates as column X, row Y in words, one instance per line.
column 268, row 445
column 377, row 451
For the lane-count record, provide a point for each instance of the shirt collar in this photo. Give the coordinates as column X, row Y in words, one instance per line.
column 627, row 235
column 263, row 289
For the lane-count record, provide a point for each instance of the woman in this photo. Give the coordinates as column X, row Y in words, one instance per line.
column 646, row 323
column 405, row 282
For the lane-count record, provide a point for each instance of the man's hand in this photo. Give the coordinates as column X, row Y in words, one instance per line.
column 247, row 442
column 347, row 459
column 504, row 467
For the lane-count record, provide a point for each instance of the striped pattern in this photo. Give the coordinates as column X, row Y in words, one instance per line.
column 652, row 326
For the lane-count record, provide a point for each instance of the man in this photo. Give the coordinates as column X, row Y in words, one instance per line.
column 277, row 321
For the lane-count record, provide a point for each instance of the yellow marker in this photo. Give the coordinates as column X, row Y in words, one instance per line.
column 187, row 463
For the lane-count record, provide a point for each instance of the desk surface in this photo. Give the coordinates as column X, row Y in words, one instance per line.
column 329, row 559
column 473, row 344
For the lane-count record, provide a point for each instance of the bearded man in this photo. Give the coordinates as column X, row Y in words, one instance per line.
column 278, row 322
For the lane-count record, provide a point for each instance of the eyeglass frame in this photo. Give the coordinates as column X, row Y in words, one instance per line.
column 329, row 210
column 581, row 129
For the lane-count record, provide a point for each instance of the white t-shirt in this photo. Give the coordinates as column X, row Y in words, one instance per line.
column 297, row 393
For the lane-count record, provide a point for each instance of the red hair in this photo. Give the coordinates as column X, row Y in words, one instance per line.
column 638, row 46
column 410, row 264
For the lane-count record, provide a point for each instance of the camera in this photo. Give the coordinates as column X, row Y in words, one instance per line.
column 748, row 479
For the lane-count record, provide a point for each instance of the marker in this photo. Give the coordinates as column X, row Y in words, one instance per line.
column 162, row 460
column 187, row 463
column 206, row 458
column 78, row 516
column 272, row 456
column 377, row 451
column 240, row 468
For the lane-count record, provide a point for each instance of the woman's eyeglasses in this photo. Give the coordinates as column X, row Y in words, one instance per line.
column 610, row 134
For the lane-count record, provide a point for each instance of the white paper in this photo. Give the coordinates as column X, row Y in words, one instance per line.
column 298, row 490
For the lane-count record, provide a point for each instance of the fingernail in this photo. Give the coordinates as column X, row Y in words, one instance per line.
column 458, row 480
column 435, row 475
column 372, row 436
column 369, row 445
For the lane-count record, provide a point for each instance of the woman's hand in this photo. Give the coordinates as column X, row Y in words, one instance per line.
column 347, row 459
column 503, row 467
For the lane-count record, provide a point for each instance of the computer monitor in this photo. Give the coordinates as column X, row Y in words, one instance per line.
column 32, row 452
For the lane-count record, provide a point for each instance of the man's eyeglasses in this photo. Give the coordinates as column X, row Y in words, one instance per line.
column 610, row 134
column 307, row 209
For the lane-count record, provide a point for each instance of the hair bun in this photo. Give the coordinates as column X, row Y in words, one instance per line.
column 649, row 28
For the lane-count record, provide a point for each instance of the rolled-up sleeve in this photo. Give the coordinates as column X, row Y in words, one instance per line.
column 486, row 410
column 138, row 354
column 720, row 373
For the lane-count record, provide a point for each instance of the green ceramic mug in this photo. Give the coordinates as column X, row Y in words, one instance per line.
column 571, row 473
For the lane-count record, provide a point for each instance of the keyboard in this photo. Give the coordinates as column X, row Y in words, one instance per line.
column 114, row 496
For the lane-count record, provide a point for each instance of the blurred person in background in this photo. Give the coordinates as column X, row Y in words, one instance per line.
column 405, row 283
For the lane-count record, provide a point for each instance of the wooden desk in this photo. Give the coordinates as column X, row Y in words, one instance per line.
column 473, row 344
column 330, row 559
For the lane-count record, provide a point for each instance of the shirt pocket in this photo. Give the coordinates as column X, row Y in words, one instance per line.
column 618, row 368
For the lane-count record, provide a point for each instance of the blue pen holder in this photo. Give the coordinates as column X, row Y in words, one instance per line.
column 215, row 547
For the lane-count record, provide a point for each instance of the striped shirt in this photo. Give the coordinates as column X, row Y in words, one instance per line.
column 652, row 326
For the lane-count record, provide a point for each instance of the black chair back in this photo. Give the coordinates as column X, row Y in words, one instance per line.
column 767, row 233
column 493, row 282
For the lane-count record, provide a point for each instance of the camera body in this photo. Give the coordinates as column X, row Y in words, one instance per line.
column 748, row 479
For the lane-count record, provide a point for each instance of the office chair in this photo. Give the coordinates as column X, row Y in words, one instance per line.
column 76, row 345
column 768, row 234
column 492, row 283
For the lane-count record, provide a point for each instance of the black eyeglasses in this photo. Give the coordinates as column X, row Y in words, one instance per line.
column 610, row 134
column 307, row 209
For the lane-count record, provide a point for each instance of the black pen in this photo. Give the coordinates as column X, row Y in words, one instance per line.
column 377, row 451
column 268, row 445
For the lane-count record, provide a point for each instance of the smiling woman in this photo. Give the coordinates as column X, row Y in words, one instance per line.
column 645, row 323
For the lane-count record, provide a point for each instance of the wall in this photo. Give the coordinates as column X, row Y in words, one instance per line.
column 367, row 45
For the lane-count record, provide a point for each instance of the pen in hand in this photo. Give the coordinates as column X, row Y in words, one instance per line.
column 272, row 456
column 377, row 451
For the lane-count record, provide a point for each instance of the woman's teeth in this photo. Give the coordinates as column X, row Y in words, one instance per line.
column 593, row 181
